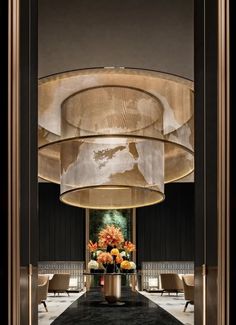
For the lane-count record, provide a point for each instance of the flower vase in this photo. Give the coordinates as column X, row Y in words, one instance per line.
column 118, row 268
column 93, row 256
column 114, row 264
column 109, row 248
column 109, row 268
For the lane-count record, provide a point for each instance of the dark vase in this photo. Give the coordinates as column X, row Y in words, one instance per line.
column 110, row 268
column 93, row 256
column 115, row 268
column 109, row 248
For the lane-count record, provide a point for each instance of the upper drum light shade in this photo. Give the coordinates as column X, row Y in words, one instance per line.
column 113, row 137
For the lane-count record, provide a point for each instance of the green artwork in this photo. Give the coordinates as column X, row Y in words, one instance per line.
column 98, row 219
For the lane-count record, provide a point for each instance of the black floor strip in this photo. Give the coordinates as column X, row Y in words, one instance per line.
column 136, row 310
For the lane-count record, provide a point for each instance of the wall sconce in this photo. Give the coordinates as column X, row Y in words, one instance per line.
column 112, row 137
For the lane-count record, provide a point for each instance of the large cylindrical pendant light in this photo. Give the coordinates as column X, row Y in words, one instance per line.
column 113, row 137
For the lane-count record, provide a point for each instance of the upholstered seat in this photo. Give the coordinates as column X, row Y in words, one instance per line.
column 59, row 283
column 43, row 282
column 171, row 282
column 188, row 285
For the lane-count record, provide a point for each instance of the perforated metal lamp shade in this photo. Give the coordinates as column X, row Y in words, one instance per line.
column 113, row 137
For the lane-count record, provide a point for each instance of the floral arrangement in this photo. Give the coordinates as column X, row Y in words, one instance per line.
column 110, row 236
column 132, row 265
column 111, row 252
column 125, row 265
column 92, row 246
column 129, row 247
column 93, row 265
column 105, row 258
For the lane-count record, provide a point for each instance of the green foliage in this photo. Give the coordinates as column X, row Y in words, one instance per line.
column 98, row 219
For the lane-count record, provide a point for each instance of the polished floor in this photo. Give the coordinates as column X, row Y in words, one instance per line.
column 137, row 310
column 174, row 305
column 56, row 305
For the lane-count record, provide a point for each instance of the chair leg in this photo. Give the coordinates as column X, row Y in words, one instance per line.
column 186, row 305
column 45, row 306
column 68, row 293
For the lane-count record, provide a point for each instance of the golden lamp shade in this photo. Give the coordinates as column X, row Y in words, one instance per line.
column 112, row 137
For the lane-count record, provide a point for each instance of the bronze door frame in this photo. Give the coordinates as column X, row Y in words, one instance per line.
column 211, row 16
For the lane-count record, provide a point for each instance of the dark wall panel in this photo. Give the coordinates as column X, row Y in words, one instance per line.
column 165, row 231
column 61, row 227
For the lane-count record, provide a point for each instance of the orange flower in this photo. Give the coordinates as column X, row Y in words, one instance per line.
column 115, row 251
column 119, row 259
column 92, row 246
column 125, row 265
column 110, row 235
column 129, row 247
column 105, row 258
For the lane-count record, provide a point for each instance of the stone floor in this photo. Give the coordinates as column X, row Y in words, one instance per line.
column 133, row 309
column 56, row 305
column 172, row 304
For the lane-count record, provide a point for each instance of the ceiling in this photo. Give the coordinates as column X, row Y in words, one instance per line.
column 147, row 34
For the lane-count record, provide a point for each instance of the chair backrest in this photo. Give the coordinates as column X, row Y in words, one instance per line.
column 171, row 281
column 59, row 282
column 188, row 284
column 42, row 279
column 43, row 283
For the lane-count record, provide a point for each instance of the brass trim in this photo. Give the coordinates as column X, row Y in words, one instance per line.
column 30, row 270
column 223, row 162
column 62, row 199
column 130, row 136
column 204, row 292
column 137, row 71
column 134, row 254
column 13, row 162
column 86, row 238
